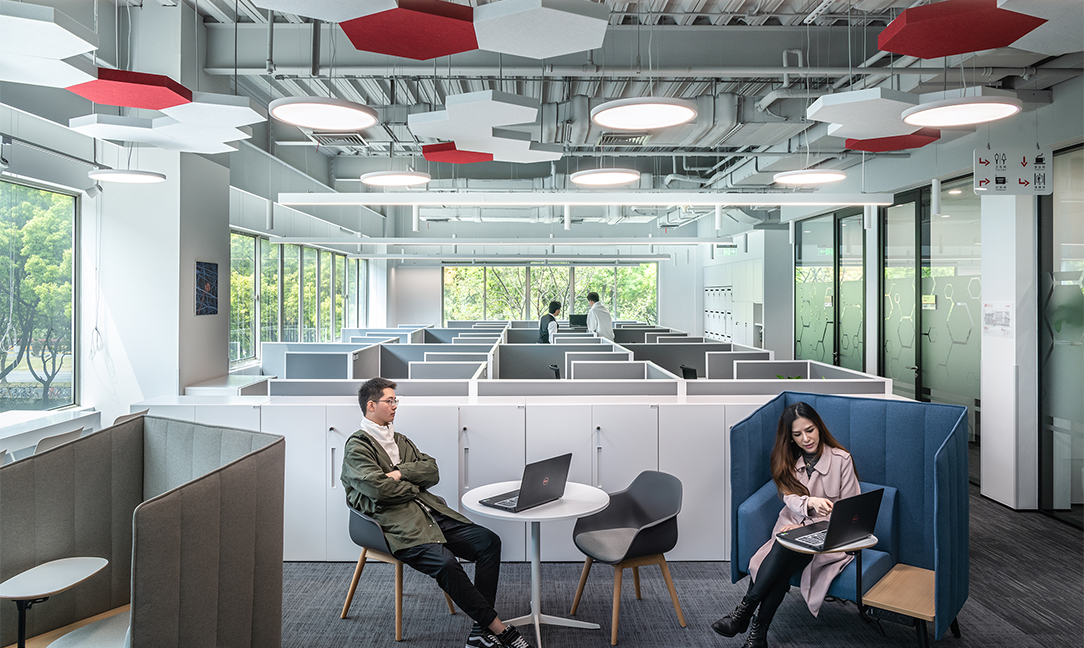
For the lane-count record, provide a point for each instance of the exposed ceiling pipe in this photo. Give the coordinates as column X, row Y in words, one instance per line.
column 786, row 93
column 580, row 116
column 801, row 63
column 270, row 41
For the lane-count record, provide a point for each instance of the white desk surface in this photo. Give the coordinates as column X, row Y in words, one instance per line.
column 50, row 578
column 864, row 543
column 578, row 500
column 15, row 422
column 175, row 399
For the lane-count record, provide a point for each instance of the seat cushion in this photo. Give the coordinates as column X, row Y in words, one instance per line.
column 606, row 545
column 875, row 564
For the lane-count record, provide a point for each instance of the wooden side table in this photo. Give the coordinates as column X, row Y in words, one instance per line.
column 37, row 584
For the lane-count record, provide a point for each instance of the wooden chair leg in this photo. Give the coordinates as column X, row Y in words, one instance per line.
column 673, row 592
column 636, row 581
column 617, row 603
column 448, row 600
column 583, row 581
column 354, row 584
column 398, row 601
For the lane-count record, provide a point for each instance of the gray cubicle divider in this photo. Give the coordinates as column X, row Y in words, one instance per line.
column 581, row 340
column 340, row 365
column 522, row 335
column 532, row 361
column 415, row 336
column 636, row 335
column 273, row 355
column 402, row 337
column 375, row 339
column 395, row 359
column 440, row 335
column 448, row 356
column 671, row 355
column 868, row 385
column 582, row 356
column 477, row 340
column 551, row 387
column 832, row 372
column 651, row 337
column 406, row 387
column 769, row 369
column 609, row 370
column 447, row 370
column 720, row 364
column 679, row 339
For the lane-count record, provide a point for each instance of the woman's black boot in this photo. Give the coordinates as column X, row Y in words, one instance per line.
column 758, row 634
column 737, row 621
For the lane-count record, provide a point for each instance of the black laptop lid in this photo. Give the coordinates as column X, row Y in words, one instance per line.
column 543, row 481
column 853, row 518
column 577, row 320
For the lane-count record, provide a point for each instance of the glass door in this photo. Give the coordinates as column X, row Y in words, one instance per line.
column 898, row 312
column 851, row 332
column 814, row 289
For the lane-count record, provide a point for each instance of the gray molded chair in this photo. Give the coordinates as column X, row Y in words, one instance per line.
column 367, row 534
column 636, row 529
column 48, row 443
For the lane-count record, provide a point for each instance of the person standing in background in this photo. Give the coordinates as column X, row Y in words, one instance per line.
column 598, row 318
column 547, row 324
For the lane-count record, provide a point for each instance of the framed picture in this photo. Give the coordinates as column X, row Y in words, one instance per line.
column 206, row 288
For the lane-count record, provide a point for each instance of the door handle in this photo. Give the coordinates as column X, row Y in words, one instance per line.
column 332, row 471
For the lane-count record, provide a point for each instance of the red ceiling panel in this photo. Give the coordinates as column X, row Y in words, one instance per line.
column 954, row 27
column 133, row 90
column 917, row 139
column 447, row 152
column 417, row 29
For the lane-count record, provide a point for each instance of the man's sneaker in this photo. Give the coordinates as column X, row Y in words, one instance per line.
column 511, row 638
column 482, row 638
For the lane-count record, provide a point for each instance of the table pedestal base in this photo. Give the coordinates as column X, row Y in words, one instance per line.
column 536, row 617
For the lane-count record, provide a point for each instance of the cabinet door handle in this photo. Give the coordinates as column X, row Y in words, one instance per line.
column 332, row 471
column 466, row 468
column 598, row 465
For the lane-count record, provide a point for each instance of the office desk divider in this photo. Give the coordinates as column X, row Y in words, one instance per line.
column 532, row 361
column 652, row 337
column 413, row 336
column 339, row 365
column 522, row 335
column 376, row 339
column 865, row 385
column 637, row 335
column 561, row 339
column 395, row 359
column 551, row 387
column 720, row 364
column 407, row 387
column 477, row 340
column 769, row 369
column 582, row 356
column 672, row 355
column 273, row 354
column 447, row 370
column 608, row 370
column 679, row 339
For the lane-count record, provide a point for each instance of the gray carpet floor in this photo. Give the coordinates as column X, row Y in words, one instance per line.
column 1024, row 593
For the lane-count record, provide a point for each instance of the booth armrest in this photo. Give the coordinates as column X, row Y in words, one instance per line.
column 756, row 519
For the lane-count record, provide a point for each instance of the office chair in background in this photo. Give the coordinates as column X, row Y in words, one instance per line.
column 688, row 373
column 556, row 371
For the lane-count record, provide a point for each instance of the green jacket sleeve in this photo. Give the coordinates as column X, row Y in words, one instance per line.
column 363, row 474
column 418, row 468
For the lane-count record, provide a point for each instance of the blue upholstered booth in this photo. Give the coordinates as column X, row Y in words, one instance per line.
column 917, row 451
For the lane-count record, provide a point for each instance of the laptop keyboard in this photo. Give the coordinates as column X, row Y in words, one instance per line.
column 815, row 539
column 510, row 502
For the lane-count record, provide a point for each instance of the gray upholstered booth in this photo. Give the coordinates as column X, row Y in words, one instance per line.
column 189, row 516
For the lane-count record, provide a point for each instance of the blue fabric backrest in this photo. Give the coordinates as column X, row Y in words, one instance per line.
column 920, row 449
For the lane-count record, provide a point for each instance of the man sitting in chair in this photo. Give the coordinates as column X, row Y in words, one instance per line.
column 387, row 478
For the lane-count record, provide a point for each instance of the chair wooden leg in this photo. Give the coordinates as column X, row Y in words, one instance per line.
column 448, row 600
column 398, row 601
column 636, row 581
column 617, row 603
column 673, row 592
column 583, row 581
column 354, row 584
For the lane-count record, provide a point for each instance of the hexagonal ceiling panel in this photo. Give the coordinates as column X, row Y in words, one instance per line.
column 1063, row 31
column 210, row 109
column 954, row 27
column 43, row 32
column 541, row 28
column 448, row 152
column 415, row 29
column 866, row 130
column 164, row 132
column 858, row 106
column 918, row 139
column 52, row 73
column 335, row 11
column 133, row 90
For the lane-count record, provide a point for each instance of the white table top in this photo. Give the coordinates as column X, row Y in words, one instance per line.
column 50, row 578
column 579, row 500
column 864, row 543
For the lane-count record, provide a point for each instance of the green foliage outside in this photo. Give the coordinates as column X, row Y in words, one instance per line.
column 36, row 308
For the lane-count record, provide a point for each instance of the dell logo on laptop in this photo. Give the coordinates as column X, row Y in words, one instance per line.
column 545, row 480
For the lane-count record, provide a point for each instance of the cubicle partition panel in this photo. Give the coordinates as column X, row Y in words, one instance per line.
column 395, row 359
column 769, row 369
column 671, row 356
column 604, row 370
column 679, row 339
column 479, row 339
column 636, row 335
column 720, row 364
column 832, row 372
column 551, row 387
column 332, row 388
column 319, row 364
column 651, row 337
column 447, row 370
column 532, row 361
column 920, row 449
column 561, row 339
column 581, row 356
column 522, row 336
column 869, row 385
column 273, row 354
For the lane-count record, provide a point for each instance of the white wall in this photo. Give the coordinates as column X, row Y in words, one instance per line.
column 681, row 289
column 417, row 295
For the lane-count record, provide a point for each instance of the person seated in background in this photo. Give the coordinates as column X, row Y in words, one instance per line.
column 598, row 318
column 547, row 324
column 812, row 471
column 387, row 478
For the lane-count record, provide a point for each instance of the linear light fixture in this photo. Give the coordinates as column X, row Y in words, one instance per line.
column 643, row 113
column 582, row 199
column 126, row 176
column 522, row 242
column 521, row 258
column 604, row 177
column 323, row 113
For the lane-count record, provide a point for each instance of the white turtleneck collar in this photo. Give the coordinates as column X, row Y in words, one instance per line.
column 385, row 436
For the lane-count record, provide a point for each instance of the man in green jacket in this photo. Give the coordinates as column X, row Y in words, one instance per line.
column 387, row 478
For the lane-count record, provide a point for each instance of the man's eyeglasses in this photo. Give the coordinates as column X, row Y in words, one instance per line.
column 390, row 401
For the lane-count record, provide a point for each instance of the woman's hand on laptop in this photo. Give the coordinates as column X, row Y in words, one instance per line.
column 789, row 527
column 819, row 506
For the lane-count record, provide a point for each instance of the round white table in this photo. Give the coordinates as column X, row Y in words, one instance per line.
column 578, row 500
column 37, row 584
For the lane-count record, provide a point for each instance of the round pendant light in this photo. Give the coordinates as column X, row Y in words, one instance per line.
column 643, row 113
column 395, row 178
column 809, row 176
column 963, row 111
column 126, row 176
column 604, row 177
column 323, row 113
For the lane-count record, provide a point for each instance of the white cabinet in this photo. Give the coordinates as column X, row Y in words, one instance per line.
column 246, row 417
column 491, row 447
column 626, row 443
column 306, row 477
column 693, row 448
column 553, row 430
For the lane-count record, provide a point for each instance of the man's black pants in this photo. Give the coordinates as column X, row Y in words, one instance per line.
column 470, row 542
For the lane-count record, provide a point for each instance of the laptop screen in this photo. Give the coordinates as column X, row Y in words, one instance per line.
column 577, row 320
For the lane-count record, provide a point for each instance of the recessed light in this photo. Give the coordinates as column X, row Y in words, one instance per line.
column 395, row 178
column 809, row 176
column 604, row 177
column 323, row 113
column 126, row 176
column 643, row 113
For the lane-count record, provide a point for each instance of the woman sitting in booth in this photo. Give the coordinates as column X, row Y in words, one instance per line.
column 812, row 471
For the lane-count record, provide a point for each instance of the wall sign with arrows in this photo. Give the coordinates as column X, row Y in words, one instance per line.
column 1014, row 172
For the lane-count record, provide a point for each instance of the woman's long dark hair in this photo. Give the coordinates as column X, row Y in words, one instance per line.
column 785, row 454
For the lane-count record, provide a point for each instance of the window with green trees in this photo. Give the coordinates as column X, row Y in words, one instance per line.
column 37, row 311
column 489, row 292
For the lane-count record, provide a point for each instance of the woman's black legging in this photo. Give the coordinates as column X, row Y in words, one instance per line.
column 773, row 579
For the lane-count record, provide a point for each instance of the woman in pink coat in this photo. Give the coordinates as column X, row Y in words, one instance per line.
column 812, row 471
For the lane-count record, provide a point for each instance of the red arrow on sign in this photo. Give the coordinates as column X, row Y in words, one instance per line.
column 1024, row 182
column 984, row 182
column 984, row 162
column 1024, row 161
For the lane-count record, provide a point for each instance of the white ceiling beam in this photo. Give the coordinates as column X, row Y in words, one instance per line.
column 488, row 242
column 601, row 199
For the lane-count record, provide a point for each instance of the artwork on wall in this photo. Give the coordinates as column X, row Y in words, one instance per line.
column 206, row 288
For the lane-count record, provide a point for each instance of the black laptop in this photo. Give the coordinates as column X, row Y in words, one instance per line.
column 577, row 320
column 543, row 482
column 852, row 519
